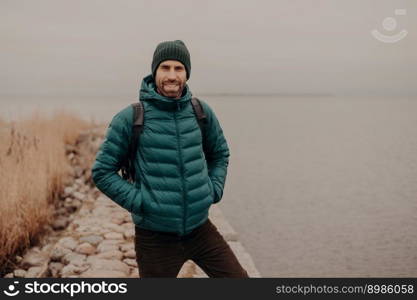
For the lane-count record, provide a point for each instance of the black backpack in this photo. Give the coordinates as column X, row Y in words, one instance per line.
column 127, row 168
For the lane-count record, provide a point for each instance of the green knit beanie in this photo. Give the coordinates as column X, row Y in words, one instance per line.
column 171, row 50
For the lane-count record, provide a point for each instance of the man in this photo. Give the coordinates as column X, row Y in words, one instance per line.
column 176, row 181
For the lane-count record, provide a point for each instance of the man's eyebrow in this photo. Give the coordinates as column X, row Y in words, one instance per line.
column 168, row 66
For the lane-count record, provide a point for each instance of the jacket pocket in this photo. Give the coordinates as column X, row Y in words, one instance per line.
column 139, row 206
column 212, row 193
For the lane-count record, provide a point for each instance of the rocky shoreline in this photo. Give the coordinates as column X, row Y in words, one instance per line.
column 92, row 237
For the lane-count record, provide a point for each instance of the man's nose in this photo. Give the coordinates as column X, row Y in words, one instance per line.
column 172, row 75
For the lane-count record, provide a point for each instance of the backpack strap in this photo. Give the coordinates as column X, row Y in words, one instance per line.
column 128, row 168
column 201, row 119
column 198, row 110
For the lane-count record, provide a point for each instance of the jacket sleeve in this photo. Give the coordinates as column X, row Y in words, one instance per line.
column 108, row 162
column 217, row 153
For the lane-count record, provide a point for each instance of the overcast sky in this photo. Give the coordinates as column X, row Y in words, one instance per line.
column 103, row 47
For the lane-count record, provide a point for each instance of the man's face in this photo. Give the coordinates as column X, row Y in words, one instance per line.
column 170, row 78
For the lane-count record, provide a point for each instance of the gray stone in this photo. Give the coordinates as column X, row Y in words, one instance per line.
column 68, row 201
column 84, row 189
column 47, row 248
column 86, row 248
column 114, row 254
column 130, row 262
column 134, row 273
column 68, row 191
column 76, row 203
column 129, row 233
column 60, row 223
column 70, row 209
column 119, row 215
column 55, row 268
column 112, row 242
column 187, row 270
column 33, row 272
column 61, row 211
column 76, row 184
column 84, row 230
column 81, row 162
column 117, row 221
column 105, row 203
column 130, row 253
column 79, row 181
column 68, row 180
column 107, row 247
column 129, row 225
column 68, row 242
column 95, row 228
column 103, row 231
column 108, row 264
column 198, row 273
column 127, row 246
column 92, row 273
column 70, row 270
column 101, row 212
column 70, row 149
column 74, row 258
column 78, row 171
column 102, row 199
column 113, row 236
column 33, row 258
column 58, row 252
column 84, row 212
column 89, row 199
column 114, row 227
column 19, row 273
column 79, row 196
column 92, row 239
column 128, row 218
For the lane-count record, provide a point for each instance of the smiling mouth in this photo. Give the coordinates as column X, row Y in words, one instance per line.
column 171, row 85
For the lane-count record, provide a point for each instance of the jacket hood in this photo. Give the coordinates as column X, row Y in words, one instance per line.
column 148, row 93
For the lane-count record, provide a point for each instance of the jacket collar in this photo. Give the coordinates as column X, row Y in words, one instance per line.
column 148, row 93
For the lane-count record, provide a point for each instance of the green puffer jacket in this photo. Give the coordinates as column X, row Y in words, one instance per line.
column 176, row 181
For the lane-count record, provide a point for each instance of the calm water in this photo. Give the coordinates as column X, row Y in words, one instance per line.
column 316, row 186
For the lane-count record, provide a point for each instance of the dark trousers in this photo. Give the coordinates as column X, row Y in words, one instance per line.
column 163, row 254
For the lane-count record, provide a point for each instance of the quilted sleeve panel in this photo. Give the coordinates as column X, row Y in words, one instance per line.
column 108, row 162
column 217, row 155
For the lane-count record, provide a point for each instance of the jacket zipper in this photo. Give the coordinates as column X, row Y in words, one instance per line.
column 181, row 169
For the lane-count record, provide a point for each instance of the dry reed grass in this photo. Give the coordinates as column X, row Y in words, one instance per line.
column 33, row 168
